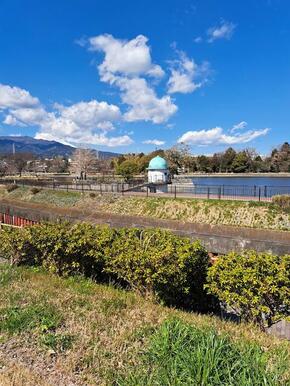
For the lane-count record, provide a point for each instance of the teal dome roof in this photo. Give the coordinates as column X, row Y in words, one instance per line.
column 157, row 163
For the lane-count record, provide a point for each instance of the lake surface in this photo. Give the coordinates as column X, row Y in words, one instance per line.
column 259, row 187
column 242, row 181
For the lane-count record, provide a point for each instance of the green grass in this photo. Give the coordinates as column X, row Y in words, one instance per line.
column 74, row 331
column 15, row 319
column 181, row 354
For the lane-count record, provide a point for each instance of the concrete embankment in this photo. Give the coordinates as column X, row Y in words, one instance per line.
column 218, row 239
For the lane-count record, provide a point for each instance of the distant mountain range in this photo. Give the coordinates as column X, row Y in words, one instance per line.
column 42, row 148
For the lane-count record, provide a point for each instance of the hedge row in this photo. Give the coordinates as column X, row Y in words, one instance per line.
column 151, row 261
column 173, row 269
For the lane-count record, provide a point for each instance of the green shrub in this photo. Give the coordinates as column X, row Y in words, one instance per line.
column 35, row 190
column 171, row 268
column 255, row 285
column 17, row 246
column 11, row 187
column 282, row 201
column 181, row 354
column 66, row 249
column 160, row 263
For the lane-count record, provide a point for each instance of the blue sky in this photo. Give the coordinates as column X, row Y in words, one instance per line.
column 133, row 76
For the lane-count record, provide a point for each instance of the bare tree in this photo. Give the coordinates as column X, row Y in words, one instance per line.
column 18, row 162
column 177, row 157
column 83, row 162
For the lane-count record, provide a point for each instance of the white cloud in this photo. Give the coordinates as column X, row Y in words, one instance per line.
column 26, row 116
column 155, row 142
column 217, row 136
column 131, row 58
column 80, row 123
column 224, row 31
column 91, row 115
column 125, row 65
column 15, row 97
column 92, row 139
column 143, row 101
column 186, row 75
column 239, row 126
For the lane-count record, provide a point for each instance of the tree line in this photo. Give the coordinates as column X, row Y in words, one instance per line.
column 230, row 161
column 85, row 161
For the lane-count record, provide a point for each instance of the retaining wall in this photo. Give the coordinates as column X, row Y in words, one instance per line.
column 218, row 239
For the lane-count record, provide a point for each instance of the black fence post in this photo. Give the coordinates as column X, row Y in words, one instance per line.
column 208, row 192
column 101, row 188
column 174, row 191
column 255, row 190
column 265, row 191
column 259, row 193
column 122, row 189
column 219, row 192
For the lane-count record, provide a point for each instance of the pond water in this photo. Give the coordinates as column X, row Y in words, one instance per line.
column 236, row 186
column 242, row 181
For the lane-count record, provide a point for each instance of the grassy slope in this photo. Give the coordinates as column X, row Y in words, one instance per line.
column 237, row 213
column 56, row 331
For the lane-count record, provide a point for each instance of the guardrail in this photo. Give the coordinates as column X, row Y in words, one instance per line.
column 15, row 221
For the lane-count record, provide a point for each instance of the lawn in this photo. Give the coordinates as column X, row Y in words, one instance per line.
column 71, row 331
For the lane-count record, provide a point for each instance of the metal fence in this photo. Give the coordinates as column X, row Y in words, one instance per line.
column 229, row 192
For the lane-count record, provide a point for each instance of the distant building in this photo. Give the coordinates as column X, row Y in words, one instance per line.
column 158, row 171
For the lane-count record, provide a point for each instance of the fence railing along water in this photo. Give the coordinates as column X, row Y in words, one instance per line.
column 227, row 192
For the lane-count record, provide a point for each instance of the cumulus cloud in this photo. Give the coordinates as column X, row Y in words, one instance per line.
column 15, row 97
column 127, row 65
column 125, row 57
column 143, row 101
column 217, row 136
column 91, row 115
column 186, row 75
column 223, row 31
column 79, row 123
column 155, row 142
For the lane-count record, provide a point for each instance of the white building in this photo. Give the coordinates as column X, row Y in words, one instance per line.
column 158, row 171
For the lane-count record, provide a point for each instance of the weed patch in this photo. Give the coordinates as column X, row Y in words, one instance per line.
column 16, row 319
column 180, row 354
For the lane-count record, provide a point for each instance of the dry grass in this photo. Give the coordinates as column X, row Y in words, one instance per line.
column 235, row 213
column 94, row 333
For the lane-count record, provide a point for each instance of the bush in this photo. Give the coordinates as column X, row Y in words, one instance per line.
column 282, row 201
column 35, row 190
column 171, row 268
column 255, row 285
column 11, row 187
column 16, row 245
column 160, row 263
column 92, row 195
